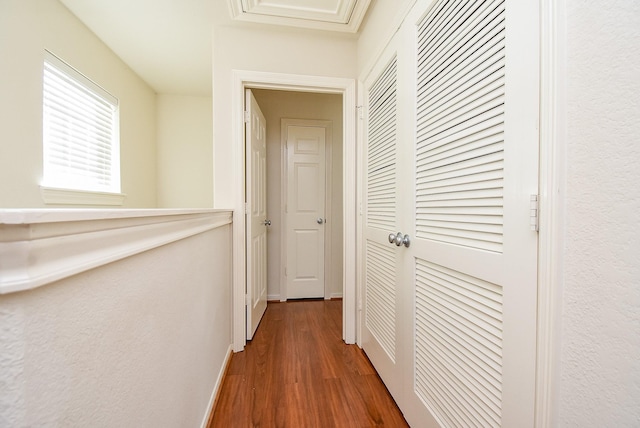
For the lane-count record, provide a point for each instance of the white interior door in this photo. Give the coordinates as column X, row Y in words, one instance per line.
column 465, row 353
column 305, row 211
column 257, row 221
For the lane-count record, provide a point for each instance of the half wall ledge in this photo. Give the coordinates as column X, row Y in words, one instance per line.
column 42, row 246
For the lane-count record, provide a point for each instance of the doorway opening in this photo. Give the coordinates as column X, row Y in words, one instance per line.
column 303, row 261
column 293, row 196
column 346, row 283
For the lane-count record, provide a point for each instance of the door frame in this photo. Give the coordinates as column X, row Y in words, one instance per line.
column 552, row 188
column 328, row 126
column 244, row 79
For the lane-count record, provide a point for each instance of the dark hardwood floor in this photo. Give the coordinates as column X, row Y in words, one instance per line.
column 297, row 372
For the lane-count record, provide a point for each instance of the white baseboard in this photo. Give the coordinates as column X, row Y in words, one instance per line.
column 273, row 297
column 216, row 388
column 336, row 295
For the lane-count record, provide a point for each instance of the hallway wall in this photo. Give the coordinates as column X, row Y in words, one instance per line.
column 185, row 152
column 277, row 105
column 141, row 341
column 599, row 368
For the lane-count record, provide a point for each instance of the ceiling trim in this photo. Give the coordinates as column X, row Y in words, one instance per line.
column 339, row 11
column 347, row 16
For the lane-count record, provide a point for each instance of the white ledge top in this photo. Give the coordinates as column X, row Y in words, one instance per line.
column 41, row 246
column 55, row 215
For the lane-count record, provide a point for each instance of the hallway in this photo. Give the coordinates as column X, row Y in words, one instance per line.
column 297, row 372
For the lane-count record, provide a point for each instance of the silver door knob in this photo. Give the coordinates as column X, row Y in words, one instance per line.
column 392, row 238
column 267, row 222
column 400, row 239
column 320, row 220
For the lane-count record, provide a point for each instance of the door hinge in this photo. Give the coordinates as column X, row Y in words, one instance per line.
column 246, row 208
column 246, row 117
column 247, row 300
column 534, row 213
column 360, row 110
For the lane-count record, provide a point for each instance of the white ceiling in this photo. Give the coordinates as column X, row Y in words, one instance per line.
column 168, row 42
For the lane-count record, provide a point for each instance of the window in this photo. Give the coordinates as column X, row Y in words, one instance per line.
column 81, row 143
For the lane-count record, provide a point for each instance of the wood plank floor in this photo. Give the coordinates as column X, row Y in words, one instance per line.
column 297, row 372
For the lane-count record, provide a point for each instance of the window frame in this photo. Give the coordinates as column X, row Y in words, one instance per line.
column 62, row 187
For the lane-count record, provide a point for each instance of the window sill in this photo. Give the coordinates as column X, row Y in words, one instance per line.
column 54, row 196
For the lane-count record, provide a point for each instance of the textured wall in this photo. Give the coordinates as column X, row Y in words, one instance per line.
column 599, row 381
column 135, row 343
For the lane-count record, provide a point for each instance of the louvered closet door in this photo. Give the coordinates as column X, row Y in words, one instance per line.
column 381, row 295
column 475, row 165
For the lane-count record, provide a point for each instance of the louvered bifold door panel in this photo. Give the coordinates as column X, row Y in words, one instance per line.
column 381, row 204
column 460, row 124
column 459, row 201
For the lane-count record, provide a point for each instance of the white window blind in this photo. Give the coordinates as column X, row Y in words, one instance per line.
column 81, row 147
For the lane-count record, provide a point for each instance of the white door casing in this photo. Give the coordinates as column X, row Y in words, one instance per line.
column 465, row 355
column 243, row 79
column 305, row 211
column 257, row 221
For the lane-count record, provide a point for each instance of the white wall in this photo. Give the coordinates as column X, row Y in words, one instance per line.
column 277, row 105
column 185, row 151
column 599, row 373
column 266, row 49
column 27, row 27
column 140, row 342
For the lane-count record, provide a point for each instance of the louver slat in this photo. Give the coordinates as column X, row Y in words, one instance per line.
column 460, row 124
column 381, row 151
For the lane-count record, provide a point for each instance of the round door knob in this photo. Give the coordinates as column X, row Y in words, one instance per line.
column 267, row 223
column 398, row 239
column 320, row 220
